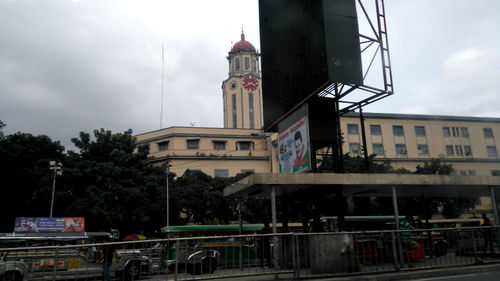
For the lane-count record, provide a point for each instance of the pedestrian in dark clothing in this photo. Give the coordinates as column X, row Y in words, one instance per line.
column 106, row 256
column 488, row 236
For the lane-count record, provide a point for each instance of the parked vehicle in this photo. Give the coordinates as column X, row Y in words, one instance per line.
column 33, row 256
column 11, row 270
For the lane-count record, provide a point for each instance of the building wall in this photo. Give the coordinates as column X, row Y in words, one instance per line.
column 479, row 162
column 242, row 150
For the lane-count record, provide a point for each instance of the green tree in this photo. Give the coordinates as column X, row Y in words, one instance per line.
column 199, row 197
column 26, row 178
column 112, row 184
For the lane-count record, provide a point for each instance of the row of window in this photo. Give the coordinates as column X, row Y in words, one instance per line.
column 247, row 64
column 398, row 130
column 224, row 173
column 458, row 150
column 217, row 145
column 422, row 149
column 473, row 172
column 250, row 108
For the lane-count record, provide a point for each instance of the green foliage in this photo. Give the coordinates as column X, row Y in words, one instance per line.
column 200, row 199
column 26, row 178
column 434, row 167
column 111, row 186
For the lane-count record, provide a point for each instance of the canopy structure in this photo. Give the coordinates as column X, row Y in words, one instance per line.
column 382, row 185
column 407, row 185
column 314, row 185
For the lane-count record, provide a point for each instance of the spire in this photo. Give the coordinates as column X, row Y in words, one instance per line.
column 242, row 34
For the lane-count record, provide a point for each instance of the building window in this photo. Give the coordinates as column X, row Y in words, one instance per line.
column 449, row 150
column 398, row 131
column 423, row 149
column 244, row 145
column 250, row 105
column 193, row 144
column 352, row 129
column 235, row 119
column 446, row 131
column 250, row 171
column 355, row 148
column 420, row 131
column 495, row 172
column 237, row 64
column 247, row 63
column 219, row 145
column 491, row 150
column 401, row 149
column 462, row 172
column 467, row 150
column 465, row 132
column 456, row 132
column 221, row 173
column 472, row 172
column 375, row 130
column 488, row 133
column 378, row 148
column 163, row 145
column 459, row 150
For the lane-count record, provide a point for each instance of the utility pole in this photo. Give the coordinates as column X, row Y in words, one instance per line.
column 168, row 205
column 57, row 168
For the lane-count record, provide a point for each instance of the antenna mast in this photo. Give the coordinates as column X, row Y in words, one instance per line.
column 162, row 72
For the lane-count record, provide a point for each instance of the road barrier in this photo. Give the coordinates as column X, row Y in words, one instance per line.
column 302, row 255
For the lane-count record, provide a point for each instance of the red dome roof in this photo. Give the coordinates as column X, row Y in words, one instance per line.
column 243, row 45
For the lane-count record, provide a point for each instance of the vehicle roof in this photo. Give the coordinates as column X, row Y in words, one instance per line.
column 52, row 235
column 200, row 227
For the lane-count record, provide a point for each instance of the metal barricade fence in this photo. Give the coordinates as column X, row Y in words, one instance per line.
column 301, row 255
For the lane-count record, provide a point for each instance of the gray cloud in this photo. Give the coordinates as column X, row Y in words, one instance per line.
column 70, row 66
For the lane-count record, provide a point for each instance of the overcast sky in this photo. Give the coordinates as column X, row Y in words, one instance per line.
column 71, row 66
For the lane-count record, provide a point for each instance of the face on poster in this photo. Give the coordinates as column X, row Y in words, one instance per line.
column 293, row 146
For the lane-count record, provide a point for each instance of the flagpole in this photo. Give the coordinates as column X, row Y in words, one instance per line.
column 162, row 79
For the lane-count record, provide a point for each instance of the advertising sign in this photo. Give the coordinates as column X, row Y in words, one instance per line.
column 30, row 224
column 293, row 144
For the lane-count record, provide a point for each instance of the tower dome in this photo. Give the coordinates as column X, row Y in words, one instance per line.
column 242, row 45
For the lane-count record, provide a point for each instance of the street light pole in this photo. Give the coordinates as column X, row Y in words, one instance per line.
column 57, row 168
column 168, row 207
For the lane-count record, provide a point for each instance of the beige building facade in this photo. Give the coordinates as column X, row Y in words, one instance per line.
column 217, row 152
column 469, row 144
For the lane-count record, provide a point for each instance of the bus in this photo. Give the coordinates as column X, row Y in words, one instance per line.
column 219, row 248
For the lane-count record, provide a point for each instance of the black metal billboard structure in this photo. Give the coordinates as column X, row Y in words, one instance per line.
column 314, row 49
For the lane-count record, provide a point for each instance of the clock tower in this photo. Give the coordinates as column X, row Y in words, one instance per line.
column 242, row 90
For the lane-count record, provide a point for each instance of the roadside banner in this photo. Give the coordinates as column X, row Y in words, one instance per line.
column 43, row 224
column 293, row 145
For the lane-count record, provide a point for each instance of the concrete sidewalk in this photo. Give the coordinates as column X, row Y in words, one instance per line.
column 393, row 276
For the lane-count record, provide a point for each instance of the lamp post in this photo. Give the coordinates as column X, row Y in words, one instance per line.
column 57, row 168
column 168, row 207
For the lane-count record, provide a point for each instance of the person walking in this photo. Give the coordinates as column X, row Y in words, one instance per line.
column 407, row 243
column 488, row 236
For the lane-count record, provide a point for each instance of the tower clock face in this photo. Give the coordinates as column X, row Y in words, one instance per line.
column 250, row 83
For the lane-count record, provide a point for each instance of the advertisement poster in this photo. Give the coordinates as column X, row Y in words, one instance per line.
column 293, row 145
column 32, row 224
